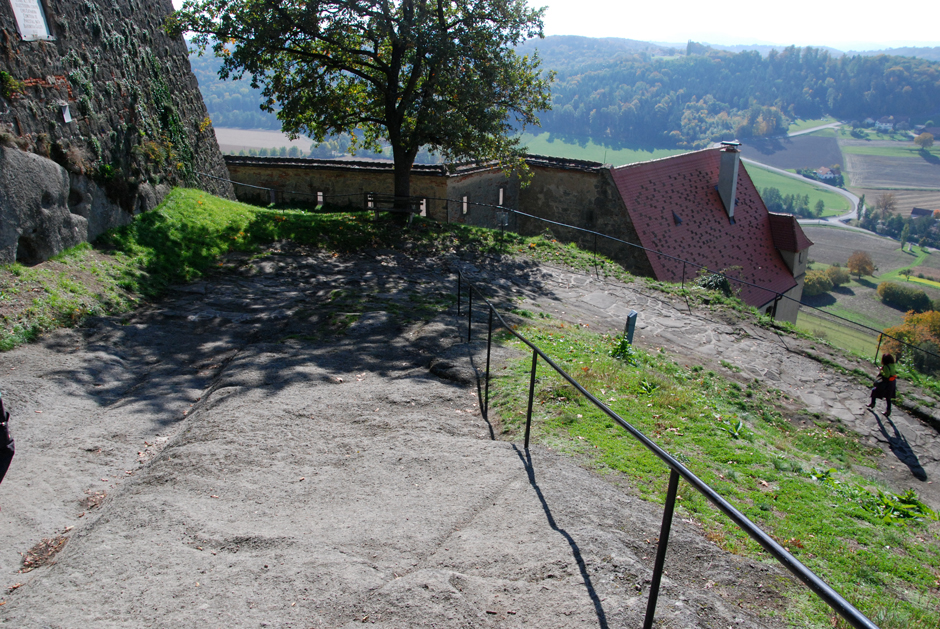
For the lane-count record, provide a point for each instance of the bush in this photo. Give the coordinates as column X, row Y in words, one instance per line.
column 816, row 283
column 904, row 297
column 837, row 275
column 926, row 361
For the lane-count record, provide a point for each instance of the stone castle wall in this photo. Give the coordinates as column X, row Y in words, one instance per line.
column 96, row 124
column 566, row 191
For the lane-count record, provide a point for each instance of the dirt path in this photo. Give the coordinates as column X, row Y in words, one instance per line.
column 269, row 448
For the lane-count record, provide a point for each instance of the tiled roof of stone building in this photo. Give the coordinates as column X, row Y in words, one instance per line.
column 676, row 210
column 787, row 233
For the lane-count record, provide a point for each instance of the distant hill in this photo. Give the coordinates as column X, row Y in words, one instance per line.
column 930, row 54
column 629, row 93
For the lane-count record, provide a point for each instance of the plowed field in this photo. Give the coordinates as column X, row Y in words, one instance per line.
column 803, row 151
column 880, row 171
column 906, row 199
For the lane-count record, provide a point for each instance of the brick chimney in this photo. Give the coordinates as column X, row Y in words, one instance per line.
column 728, row 175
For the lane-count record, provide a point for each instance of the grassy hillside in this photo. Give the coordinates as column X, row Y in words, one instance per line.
column 547, row 144
column 792, row 475
column 836, row 204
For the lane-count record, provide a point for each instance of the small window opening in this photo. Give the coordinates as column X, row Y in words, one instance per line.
column 501, row 191
column 466, row 203
column 424, row 207
column 320, row 198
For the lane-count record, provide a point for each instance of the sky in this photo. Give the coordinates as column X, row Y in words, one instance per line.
column 840, row 24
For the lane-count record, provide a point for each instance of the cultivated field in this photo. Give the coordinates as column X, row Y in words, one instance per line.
column 234, row 140
column 804, row 151
column 883, row 171
column 833, row 245
column 906, row 199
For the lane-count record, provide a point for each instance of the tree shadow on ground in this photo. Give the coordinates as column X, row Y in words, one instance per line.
column 898, row 444
column 844, row 290
column 929, row 157
column 769, row 146
column 280, row 322
column 526, row 458
column 819, row 301
column 867, row 283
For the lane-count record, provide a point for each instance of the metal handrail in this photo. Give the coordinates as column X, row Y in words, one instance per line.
column 819, row 587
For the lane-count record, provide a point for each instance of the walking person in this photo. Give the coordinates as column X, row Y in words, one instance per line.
column 886, row 383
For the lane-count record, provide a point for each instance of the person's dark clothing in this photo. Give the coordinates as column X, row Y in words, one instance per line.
column 886, row 386
column 6, row 441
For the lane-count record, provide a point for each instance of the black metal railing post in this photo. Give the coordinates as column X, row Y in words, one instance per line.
column 596, row 274
column 528, row 417
column 489, row 343
column 661, row 548
column 469, row 310
column 878, row 349
column 683, row 274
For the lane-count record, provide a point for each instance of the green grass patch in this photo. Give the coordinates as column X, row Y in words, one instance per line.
column 802, row 125
column 793, row 477
column 546, row 144
column 73, row 285
column 925, row 281
column 843, row 336
column 836, row 204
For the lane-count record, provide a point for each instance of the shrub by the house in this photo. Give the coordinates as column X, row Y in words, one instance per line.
column 837, row 275
column 817, row 283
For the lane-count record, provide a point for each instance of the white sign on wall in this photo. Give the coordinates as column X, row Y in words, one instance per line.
column 31, row 20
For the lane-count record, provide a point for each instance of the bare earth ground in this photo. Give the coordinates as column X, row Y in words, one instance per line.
column 906, row 199
column 877, row 171
column 802, row 151
column 835, row 246
column 256, row 450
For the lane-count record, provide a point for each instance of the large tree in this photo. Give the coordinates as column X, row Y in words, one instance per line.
column 440, row 73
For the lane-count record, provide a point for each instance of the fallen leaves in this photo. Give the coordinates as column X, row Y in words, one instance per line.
column 43, row 552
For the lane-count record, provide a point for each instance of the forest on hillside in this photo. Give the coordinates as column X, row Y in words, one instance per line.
column 622, row 92
column 704, row 95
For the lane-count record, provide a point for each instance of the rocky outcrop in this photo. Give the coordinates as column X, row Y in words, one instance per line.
column 112, row 106
column 44, row 209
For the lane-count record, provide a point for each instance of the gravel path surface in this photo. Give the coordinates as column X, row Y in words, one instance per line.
column 269, row 448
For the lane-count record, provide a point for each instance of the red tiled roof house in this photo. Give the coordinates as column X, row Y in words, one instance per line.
column 703, row 208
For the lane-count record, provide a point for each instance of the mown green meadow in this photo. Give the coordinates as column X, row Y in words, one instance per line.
column 836, row 204
column 791, row 475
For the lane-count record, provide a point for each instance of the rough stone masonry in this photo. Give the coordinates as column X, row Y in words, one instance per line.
column 100, row 115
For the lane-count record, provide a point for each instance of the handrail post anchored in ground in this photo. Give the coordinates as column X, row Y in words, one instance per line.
column 820, row 588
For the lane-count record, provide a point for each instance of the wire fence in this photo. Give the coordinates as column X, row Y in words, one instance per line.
column 677, row 472
column 847, row 333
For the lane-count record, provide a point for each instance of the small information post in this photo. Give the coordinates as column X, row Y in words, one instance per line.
column 31, row 20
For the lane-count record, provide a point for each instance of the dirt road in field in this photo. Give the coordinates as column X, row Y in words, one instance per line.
column 297, row 442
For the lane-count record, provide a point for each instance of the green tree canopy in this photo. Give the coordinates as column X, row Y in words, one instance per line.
column 441, row 73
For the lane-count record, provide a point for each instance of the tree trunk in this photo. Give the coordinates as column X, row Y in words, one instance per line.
column 404, row 160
